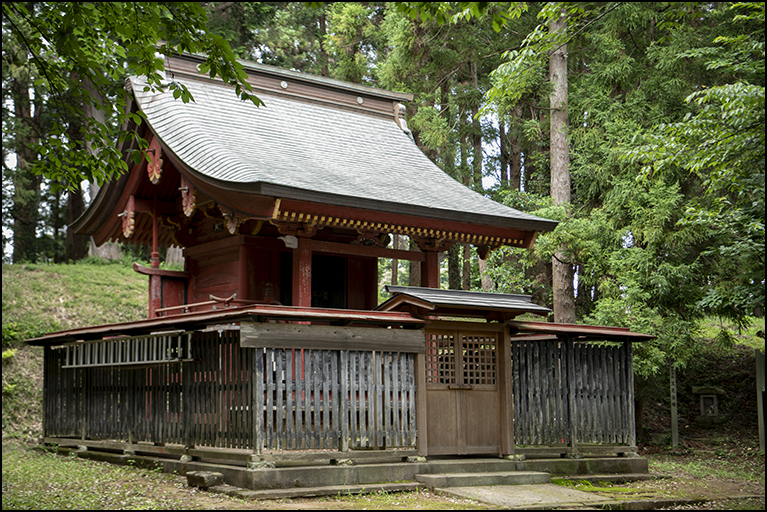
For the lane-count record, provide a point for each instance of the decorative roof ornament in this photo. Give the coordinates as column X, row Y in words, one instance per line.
column 399, row 116
column 231, row 221
column 129, row 218
column 154, row 164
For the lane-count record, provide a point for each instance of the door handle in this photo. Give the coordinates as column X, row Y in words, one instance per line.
column 460, row 386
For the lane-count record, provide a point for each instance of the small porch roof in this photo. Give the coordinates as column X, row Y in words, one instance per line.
column 498, row 306
column 542, row 331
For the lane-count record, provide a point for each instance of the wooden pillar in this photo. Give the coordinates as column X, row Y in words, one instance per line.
column 505, row 376
column 244, row 279
column 155, row 251
column 155, row 282
column 571, row 391
column 674, row 417
column 420, row 404
column 302, row 273
column 155, row 294
column 430, row 270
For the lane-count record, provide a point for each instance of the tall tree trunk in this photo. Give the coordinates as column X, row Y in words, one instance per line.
column 466, row 251
column 323, row 54
column 515, row 157
column 504, row 158
column 486, row 283
column 466, row 281
column 476, row 137
column 562, row 269
column 108, row 250
column 395, row 261
column 414, row 279
column 454, row 267
column 76, row 246
column 26, row 185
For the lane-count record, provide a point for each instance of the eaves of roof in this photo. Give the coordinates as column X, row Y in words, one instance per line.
column 578, row 332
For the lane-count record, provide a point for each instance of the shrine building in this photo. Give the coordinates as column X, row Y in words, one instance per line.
column 272, row 341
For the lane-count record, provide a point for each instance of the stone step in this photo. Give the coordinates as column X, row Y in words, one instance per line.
column 331, row 490
column 473, row 466
column 476, row 479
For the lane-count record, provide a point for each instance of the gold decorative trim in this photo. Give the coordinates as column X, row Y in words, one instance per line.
column 313, row 222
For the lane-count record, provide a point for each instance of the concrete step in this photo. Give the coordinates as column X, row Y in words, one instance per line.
column 477, row 479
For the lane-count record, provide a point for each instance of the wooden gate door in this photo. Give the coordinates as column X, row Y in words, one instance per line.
column 462, row 392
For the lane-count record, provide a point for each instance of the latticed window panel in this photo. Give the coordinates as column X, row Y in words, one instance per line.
column 479, row 365
column 440, row 358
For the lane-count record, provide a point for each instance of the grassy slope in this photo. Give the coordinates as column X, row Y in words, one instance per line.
column 38, row 299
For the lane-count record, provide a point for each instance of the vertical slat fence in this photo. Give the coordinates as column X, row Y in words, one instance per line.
column 226, row 396
column 593, row 387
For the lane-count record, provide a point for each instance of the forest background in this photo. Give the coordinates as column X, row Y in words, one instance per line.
column 662, row 225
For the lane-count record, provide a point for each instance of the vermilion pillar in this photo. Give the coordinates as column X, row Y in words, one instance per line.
column 430, row 270
column 302, row 273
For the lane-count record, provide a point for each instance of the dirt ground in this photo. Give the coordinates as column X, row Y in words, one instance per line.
column 721, row 489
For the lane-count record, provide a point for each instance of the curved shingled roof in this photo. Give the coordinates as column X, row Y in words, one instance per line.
column 307, row 150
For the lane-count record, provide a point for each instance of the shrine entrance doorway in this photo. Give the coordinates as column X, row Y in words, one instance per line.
column 463, row 398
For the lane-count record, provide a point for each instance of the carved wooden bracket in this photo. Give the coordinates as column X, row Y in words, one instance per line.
column 372, row 239
column 295, row 228
column 433, row 244
column 129, row 218
column 188, row 201
column 231, row 221
column 154, row 162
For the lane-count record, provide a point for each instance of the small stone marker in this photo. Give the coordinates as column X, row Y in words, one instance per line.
column 204, row 479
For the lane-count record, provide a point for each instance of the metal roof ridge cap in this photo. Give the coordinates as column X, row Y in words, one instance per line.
column 438, row 290
column 307, row 77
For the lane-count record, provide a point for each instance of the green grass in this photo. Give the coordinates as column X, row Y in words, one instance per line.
column 35, row 479
column 382, row 500
column 587, row 486
column 751, row 336
column 39, row 299
column 719, row 467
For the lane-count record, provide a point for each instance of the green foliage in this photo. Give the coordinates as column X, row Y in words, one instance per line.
column 73, row 44
column 720, row 143
column 455, row 12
